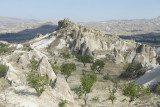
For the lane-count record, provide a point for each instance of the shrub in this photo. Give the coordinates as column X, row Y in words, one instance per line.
column 3, row 48
column 115, row 81
column 55, row 68
column 67, row 69
column 97, row 65
column 65, row 55
column 74, row 54
column 3, row 69
column 131, row 70
column 95, row 98
column 62, row 103
column 134, row 91
column 37, row 81
column 158, row 89
column 33, row 64
column 107, row 77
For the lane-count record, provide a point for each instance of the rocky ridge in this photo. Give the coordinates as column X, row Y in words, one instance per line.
column 84, row 40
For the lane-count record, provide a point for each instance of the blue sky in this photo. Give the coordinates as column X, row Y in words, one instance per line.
column 80, row 10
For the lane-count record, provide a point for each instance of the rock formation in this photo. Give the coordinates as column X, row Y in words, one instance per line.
column 84, row 40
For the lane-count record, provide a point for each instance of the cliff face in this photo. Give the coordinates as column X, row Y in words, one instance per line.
column 84, row 40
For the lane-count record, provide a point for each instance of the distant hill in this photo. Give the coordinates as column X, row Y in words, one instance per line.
column 20, row 30
column 127, row 27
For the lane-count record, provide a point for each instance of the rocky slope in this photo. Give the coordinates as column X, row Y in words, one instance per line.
column 84, row 40
column 18, row 63
column 45, row 48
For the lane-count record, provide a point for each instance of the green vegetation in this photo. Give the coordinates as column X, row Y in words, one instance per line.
column 97, row 65
column 3, row 69
column 34, row 79
column 55, row 68
column 3, row 48
column 79, row 92
column 65, row 55
column 95, row 98
column 67, row 69
column 74, row 54
column 112, row 96
column 33, row 64
column 130, row 70
column 134, row 91
column 85, row 59
column 158, row 89
column 87, row 82
column 62, row 103
column 37, row 81
column 115, row 81
column 107, row 77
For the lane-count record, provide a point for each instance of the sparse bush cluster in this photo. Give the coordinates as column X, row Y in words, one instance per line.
column 3, row 48
column 3, row 69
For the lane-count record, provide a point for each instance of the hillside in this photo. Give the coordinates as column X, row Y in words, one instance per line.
column 39, row 62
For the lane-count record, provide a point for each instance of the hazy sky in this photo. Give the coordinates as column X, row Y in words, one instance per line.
column 80, row 10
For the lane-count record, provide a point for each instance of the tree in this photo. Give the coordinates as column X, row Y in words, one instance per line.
column 87, row 82
column 85, row 59
column 135, row 90
column 37, row 81
column 112, row 96
column 3, row 69
column 97, row 65
column 67, row 69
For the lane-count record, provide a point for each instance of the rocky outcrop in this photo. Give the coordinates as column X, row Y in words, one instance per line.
column 24, row 59
column 115, row 56
column 25, row 96
column 85, row 40
column 44, row 68
column 143, row 54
